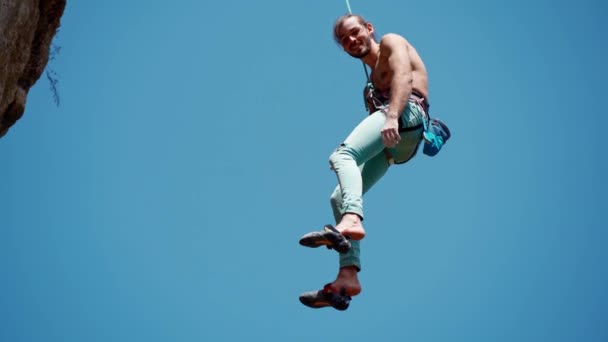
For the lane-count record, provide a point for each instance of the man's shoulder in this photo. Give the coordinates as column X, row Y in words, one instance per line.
column 392, row 42
column 392, row 38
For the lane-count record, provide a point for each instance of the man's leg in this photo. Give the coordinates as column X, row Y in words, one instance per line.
column 369, row 172
column 360, row 146
column 350, row 264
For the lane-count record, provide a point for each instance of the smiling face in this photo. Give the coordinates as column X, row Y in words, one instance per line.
column 354, row 35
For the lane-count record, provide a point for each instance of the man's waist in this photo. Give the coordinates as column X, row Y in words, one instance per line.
column 381, row 100
column 421, row 99
column 415, row 95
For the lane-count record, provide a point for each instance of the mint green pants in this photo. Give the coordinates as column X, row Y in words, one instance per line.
column 360, row 162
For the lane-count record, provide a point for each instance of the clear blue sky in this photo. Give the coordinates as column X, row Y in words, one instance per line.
column 164, row 198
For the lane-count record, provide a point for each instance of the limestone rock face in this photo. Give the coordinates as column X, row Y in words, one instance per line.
column 27, row 28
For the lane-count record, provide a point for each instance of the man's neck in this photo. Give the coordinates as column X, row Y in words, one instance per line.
column 372, row 57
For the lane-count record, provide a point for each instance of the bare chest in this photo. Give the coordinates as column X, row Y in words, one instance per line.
column 381, row 74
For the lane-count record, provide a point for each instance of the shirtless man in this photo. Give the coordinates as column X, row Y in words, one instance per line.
column 397, row 103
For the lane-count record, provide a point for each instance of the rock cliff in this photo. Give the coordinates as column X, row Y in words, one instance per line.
column 27, row 28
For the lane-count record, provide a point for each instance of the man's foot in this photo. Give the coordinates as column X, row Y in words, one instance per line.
column 348, row 284
column 325, row 298
column 329, row 237
column 348, row 280
column 351, row 226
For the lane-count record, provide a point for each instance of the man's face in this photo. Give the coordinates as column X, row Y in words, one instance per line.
column 355, row 38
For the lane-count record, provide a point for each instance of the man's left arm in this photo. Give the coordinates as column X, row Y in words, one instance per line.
column 401, row 69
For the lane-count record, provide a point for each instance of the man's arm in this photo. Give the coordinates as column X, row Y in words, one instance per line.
column 396, row 48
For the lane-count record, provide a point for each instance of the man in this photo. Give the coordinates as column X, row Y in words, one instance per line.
column 397, row 104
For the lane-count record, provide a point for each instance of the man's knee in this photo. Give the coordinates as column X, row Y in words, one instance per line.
column 336, row 199
column 336, row 154
column 342, row 153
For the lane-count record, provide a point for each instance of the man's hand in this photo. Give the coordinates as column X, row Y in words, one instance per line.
column 390, row 132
